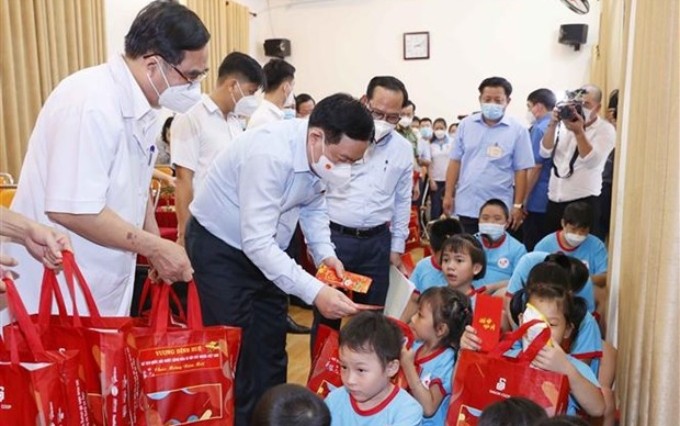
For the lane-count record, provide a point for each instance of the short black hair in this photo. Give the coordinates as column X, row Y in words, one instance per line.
column 468, row 244
column 242, row 65
column 544, row 97
column 440, row 120
column 442, row 229
column 389, row 83
column 578, row 214
column 428, row 119
column 562, row 421
column 165, row 28
column 371, row 332
column 515, row 411
column 450, row 307
column 166, row 129
column 578, row 272
column 416, row 118
column 341, row 114
column 301, row 99
column 290, row 404
column 496, row 82
column 453, row 125
column 410, row 103
column 277, row 72
column 498, row 203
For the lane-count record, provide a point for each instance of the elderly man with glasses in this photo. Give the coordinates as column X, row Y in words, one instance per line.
column 370, row 213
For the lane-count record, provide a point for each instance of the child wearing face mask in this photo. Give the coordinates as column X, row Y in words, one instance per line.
column 463, row 261
column 574, row 239
column 440, row 147
column 438, row 324
column 426, row 128
column 503, row 252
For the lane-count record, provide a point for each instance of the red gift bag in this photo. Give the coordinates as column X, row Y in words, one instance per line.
column 38, row 386
column 187, row 374
column 104, row 345
column 324, row 376
column 481, row 379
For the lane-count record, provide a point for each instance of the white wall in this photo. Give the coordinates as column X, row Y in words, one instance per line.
column 338, row 45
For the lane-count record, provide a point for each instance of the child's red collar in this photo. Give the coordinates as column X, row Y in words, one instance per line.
column 560, row 235
column 435, row 264
column 489, row 243
column 378, row 408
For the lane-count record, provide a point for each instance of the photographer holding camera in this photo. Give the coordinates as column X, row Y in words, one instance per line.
column 579, row 152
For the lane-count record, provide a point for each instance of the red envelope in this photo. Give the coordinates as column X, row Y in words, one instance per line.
column 352, row 282
column 487, row 320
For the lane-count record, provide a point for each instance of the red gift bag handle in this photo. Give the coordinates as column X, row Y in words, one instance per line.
column 73, row 275
column 153, row 287
column 49, row 291
column 27, row 328
column 160, row 314
column 528, row 354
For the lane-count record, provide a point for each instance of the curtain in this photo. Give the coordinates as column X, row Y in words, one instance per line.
column 43, row 41
column 229, row 26
column 646, row 255
column 607, row 62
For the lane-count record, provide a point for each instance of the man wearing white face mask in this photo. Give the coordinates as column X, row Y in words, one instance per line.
column 243, row 218
column 209, row 127
column 279, row 101
column 490, row 158
column 579, row 154
column 92, row 153
column 369, row 215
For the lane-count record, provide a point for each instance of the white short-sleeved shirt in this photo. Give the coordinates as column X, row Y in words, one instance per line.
column 439, row 152
column 93, row 146
column 265, row 113
column 587, row 177
column 199, row 135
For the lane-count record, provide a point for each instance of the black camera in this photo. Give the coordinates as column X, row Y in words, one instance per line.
column 567, row 109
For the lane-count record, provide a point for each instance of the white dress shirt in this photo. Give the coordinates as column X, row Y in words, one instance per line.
column 253, row 196
column 199, row 135
column 379, row 190
column 587, row 177
column 266, row 113
column 93, row 146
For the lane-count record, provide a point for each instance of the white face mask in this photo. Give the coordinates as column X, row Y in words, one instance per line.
column 246, row 106
column 382, row 129
column 530, row 117
column 405, row 122
column 177, row 98
column 439, row 134
column 493, row 230
column 574, row 240
column 587, row 113
column 335, row 175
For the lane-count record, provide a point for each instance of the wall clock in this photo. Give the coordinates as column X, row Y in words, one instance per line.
column 417, row 45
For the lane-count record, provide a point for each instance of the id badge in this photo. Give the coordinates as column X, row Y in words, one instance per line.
column 494, row 151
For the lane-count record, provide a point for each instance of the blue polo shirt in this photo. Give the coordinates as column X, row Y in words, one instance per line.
column 592, row 252
column 426, row 274
column 538, row 198
column 489, row 157
column 502, row 257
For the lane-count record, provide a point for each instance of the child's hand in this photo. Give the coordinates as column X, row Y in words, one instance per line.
column 470, row 340
column 552, row 358
column 408, row 356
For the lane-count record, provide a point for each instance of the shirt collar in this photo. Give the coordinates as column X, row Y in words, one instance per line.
column 133, row 102
column 300, row 162
column 504, row 121
column 273, row 108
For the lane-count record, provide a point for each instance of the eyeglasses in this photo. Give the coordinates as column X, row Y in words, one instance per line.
column 380, row 115
column 192, row 78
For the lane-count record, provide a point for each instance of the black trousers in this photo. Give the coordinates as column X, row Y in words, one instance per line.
column 437, row 201
column 470, row 224
column 553, row 215
column 366, row 256
column 234, row 292
column 533, row 230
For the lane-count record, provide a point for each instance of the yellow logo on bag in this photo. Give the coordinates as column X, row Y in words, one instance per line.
column 212, row 345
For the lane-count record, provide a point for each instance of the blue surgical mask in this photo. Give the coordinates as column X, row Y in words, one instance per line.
column 288, row 113
column 493, row 230
column 426, row 132
column 492, row 111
